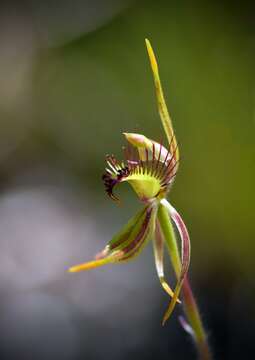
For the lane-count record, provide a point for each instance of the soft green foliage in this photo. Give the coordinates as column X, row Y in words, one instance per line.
column 207, row 58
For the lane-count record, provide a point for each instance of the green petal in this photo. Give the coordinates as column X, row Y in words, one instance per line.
column 127, row 243
column 123, row 235
column 165, row 209
column 158, row 247
column 140, row 235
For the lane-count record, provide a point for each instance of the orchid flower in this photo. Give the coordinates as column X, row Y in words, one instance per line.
column 150, row 169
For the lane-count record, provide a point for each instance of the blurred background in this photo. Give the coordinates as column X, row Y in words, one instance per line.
column 73, row 76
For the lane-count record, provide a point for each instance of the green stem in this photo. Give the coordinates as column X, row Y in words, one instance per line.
column 190, row 306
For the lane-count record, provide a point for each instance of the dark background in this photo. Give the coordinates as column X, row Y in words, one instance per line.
column 73, row 76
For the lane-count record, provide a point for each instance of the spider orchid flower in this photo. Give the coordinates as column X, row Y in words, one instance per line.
column 150, row 168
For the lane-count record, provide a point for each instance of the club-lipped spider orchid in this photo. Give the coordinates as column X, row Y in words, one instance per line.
column 150, row 168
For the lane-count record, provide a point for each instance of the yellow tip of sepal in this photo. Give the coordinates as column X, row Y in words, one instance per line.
column 169, row 291
column 171, row 306
column 91, row 265
column 152, row 57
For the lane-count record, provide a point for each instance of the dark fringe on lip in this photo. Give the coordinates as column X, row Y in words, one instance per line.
column 164, row 171
column 110, row 181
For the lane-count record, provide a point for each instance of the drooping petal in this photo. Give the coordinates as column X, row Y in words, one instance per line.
column 158, row 246
column 119, row 240
column 140, row 235
column 127, row 243
column 162, row 108
column 185, row 254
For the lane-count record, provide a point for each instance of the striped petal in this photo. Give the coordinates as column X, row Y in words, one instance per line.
column 127, row 243
column 140, row 235
column 185, row 255
column 158, row 246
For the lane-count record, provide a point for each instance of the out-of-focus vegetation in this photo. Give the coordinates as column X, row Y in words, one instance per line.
column 91, row 90
column 66, row 100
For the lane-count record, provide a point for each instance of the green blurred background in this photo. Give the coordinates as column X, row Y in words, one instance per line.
column 74, row 76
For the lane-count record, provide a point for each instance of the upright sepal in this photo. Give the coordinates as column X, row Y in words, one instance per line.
column 162, row 108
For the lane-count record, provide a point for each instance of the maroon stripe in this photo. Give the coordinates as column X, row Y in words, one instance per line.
column 171, row 173
column 147, row 157
column 156, row 169
column 185, row 242
column 153, row 158
column 161, row 171
column 126, row 235
column 140, row 236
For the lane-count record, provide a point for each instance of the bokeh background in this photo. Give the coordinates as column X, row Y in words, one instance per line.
column 73, row 76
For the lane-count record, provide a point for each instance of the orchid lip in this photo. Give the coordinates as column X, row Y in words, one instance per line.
column 150, row 177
